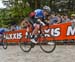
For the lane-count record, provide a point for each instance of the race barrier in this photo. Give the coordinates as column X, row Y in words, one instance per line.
column 63, row 31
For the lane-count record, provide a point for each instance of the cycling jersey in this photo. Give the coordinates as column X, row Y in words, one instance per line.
column 39, row 14
column 2, row 30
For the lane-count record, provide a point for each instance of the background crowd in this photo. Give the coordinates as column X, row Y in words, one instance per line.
column 51, row 19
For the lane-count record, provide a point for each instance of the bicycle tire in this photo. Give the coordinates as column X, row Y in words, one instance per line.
column 45, row 44
column 5, row 44
column 23, row 44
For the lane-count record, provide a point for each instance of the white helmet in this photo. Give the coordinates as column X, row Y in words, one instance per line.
column 47, row 8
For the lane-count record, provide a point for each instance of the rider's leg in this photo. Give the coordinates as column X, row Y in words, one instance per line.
column 35, row 32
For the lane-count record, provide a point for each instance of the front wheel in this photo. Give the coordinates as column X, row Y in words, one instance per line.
column 5, row 44
column 48, row 46
column 25, row 45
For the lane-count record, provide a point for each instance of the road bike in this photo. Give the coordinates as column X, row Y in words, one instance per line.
column 45, row 44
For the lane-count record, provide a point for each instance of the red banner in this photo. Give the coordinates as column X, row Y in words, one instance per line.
column 63, row 31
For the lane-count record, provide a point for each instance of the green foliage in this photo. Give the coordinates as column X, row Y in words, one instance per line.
column 16, row 12
column 26, row 11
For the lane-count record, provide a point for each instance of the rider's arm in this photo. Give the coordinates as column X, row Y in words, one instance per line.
column 41, row 22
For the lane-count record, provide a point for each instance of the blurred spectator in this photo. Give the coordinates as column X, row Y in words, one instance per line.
column 54, row 19
column 73, row 20
column 14, row 27
column 59, row 18
column 62, row 18
column 2, row 30
column 23, row 24
column 73, row 17
column 65, row 18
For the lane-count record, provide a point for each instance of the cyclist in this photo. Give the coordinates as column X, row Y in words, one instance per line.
column 2, row 30
column 39, row 18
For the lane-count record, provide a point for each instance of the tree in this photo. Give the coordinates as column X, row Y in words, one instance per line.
column 15, row 11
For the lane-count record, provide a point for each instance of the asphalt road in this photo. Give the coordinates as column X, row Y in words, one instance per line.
column 63, row 53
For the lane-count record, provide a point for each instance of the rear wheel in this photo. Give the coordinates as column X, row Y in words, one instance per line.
column 25, row 45
column 48, row 46
column 5, row 44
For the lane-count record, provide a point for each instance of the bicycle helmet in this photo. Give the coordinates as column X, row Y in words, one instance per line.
column 47, row 8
